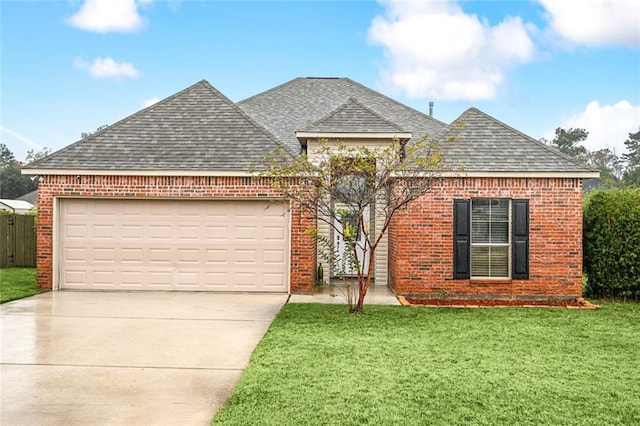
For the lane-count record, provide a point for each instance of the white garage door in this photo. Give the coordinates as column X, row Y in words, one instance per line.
column 173, row 245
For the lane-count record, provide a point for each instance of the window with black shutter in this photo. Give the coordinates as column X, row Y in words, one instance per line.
column 491, row 238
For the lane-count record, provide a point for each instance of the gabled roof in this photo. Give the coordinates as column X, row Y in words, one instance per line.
column 199, row 130
column 484, row 144
column 196, row 129
column 353, row 117
column 299, row 103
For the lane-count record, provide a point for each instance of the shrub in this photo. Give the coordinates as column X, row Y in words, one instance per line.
column 612, row 243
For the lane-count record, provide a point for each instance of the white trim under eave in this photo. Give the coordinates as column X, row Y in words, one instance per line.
column 231, row 173
column 96, row 172
column 341, row 135
column 580, row 175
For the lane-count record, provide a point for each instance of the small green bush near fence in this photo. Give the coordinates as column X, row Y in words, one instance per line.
column 612, row 243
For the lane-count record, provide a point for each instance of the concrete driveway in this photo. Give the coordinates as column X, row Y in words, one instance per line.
column 76, row 358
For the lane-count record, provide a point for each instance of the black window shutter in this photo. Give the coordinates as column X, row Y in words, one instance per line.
column 461, row 239
column 520, row 240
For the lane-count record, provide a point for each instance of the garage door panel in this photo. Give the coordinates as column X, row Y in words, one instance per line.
column 159, row 280
column 246, row 233
column 217, row 256
column 245, row 257
column 75, row 277
column 273, row 280
column 75, row 231
column 216, row 280
column 274, row 233
column 129, row 232
column 187, row 279
column 273, row 257
column 132, row 255
column 105, row 255
column 188, row 256
column 73, row 254
column 106, row 232
column 105, row 277
column 188, row 233
column 131, row 278
column 245, row 280
column 174, row 245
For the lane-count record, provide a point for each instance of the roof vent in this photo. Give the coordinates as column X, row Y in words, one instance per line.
column 431, row 109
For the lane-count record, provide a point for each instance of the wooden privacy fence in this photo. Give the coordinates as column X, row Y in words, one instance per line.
column 17, row 240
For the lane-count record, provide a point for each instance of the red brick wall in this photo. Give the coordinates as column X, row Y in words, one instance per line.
column 421, row 240
column 174, row 187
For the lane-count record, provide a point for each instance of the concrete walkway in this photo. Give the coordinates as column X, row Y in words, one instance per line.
column 152, row 358
column 335, row 294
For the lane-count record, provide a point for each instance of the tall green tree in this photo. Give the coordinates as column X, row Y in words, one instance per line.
column 568, row 141
column 13, row 183
column 632, row 158
column 6, row 156
column 608, row 163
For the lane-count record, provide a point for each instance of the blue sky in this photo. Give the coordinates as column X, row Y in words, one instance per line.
column 70, row 66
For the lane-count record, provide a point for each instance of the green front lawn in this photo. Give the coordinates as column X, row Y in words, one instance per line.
column 16, row 283
column 415, row 366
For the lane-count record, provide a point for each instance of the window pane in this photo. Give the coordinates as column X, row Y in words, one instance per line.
column 480, row 210
column 479, row 261
column 480, row 221
column 499, row 221
column 499, row 232
column 480, row 232
column 500, row 210
column 499, row 262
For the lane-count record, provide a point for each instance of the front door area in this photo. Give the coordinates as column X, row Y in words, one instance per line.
column 343, row 265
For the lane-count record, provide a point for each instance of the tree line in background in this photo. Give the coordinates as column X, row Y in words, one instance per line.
column 13, row 183
column 615, row 170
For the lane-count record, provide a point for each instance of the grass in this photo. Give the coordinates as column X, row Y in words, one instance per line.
column 318, row 365
column 17, row 283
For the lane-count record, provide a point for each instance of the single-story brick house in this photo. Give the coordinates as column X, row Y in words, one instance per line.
column 165, row 200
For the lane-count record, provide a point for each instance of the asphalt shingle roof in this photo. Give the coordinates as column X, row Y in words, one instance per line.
column 299, row 103
column 353, row 117
column 195, row 129
column 199, row 129
column 484, row 144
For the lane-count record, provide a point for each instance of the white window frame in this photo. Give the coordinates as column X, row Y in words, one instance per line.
column 508, row 244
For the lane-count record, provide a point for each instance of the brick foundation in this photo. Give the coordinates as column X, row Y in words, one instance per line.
column 421, row 240
column 169, row 187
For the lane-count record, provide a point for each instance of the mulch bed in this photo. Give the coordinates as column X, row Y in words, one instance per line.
column 578, row 303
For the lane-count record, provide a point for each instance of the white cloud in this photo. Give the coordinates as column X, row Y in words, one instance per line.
column 595, row 22
column 103, row 16
column 151, row 101
column 107, row 68
column 436, row 50
column 608, row 125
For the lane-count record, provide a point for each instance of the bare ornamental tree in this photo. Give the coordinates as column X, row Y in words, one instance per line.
column 341, row 184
